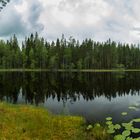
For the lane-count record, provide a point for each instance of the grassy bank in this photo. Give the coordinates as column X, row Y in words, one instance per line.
column 68, row 70
column 20, row 122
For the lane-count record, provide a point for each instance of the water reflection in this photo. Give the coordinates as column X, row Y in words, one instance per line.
column 38, row 86
column 74, row 93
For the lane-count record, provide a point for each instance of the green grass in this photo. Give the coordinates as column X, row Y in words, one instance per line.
column 21, row 122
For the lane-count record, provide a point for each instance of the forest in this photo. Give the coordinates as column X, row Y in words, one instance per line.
column 37, row 53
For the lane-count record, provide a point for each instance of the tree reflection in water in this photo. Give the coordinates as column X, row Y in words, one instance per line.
column 36, row 87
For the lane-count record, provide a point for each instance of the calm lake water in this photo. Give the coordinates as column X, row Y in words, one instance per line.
column 94, row 96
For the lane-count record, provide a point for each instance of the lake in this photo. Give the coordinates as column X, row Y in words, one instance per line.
column 94, row 96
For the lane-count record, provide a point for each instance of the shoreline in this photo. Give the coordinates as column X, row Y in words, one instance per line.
column 29, row 122
column 68, row 70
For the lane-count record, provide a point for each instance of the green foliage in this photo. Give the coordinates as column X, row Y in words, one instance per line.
column 136, row 130
column 109, row 118
column 127, row 128
column 24, row 122
column 132, row 108
column 36, row 53
column 119, row 137
column 28, row 122
column 97, row 132
column 126, row 133
column 89, row 127
column 124, row 113
column 3, row 3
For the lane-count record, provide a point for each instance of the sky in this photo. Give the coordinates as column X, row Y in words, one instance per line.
column 96, row 19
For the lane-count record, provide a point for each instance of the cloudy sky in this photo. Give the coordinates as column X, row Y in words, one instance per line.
column 97, row 19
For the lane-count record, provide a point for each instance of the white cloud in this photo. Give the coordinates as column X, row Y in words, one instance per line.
column 20, row 18
column 98, row 19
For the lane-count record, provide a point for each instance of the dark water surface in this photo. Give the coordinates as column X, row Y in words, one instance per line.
column 94, row 96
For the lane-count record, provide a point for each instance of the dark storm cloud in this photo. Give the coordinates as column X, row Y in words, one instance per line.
column 11, row 23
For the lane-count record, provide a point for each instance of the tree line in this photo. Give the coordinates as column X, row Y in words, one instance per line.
column 37, row 53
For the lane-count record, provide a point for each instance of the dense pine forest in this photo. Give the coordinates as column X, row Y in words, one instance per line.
column 36, row 53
